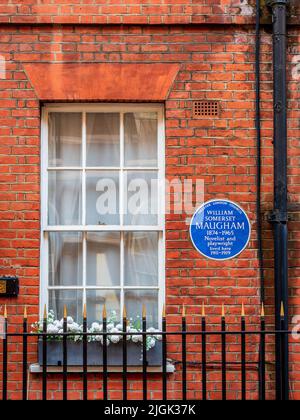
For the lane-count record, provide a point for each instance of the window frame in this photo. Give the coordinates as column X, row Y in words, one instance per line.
column 121, row 108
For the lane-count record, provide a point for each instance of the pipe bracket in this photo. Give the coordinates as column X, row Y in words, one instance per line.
column 272, row 3
column 278, row 106
column 277, row 216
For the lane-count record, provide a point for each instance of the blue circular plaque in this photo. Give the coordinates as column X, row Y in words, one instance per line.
column 220, row 229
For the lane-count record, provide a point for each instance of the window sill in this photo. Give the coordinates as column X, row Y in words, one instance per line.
column 36, row 368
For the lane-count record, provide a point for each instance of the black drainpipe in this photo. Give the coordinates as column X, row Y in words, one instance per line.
column 258, row 180
column 279, row 216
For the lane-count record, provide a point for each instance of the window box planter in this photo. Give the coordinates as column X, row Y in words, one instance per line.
column 95, row 352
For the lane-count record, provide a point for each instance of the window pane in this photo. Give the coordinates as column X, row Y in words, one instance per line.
column 134, row 301
column 65, row 139
column 103, row 259
column 102, row 198
column 103, row 139
column 141, row 259
column 71, row 298
column 142, row 206
column 96, row 300
column 140, row 139
column 64, row 198
column 65, row 259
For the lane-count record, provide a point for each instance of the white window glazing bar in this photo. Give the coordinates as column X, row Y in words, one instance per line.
column 122, row 209
column 103, row 168
column 103, row 228
column 64, row 168
column 161, row 212
column 44, row 213
column 103, row 287
column 84, row 245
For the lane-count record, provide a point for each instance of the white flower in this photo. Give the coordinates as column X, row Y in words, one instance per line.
column 57, row 323
column 55, row 327
column 115, row 338
column 151, row 330
column 74, row 327
column 52, row 329
column 110, row 326
column 99, row 338
column 151, row 342
column 171, row 368
column 96, row 327
column 114, row 330
column 135, row 337
column 128, row 337
column 157, row 336
column 132, row 330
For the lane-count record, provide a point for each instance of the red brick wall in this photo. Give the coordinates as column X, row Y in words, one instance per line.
column 129, row 12
column 216, row 63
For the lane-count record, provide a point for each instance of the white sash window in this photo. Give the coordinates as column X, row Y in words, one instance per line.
column 103, row 209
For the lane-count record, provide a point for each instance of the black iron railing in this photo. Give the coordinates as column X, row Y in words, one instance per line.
column 182, row 338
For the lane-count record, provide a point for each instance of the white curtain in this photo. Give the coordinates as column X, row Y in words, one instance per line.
column 140, row 139
column 71, row 298
column 64, row 198
column 103, row 259
column 65, row 259
column 65, row 132
column 141, row 259
column 103, row 139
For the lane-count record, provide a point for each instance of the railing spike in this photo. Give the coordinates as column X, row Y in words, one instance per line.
column 104, row 313
column 45, row 312
column 262, row 313
column 164, row 311
column 65, row 312
column 282, row 310
column 203, row 310
column 144, row 314
column 183, row 311
column 223, row 311
column 84, row 311
column 25, row 312
column 243, row 310
column 5, row 312
column 124, row 312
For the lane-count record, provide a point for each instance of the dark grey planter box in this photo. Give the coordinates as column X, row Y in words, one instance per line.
column 95, row 352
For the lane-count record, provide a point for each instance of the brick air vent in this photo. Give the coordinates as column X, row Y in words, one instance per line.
column 205, row 109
